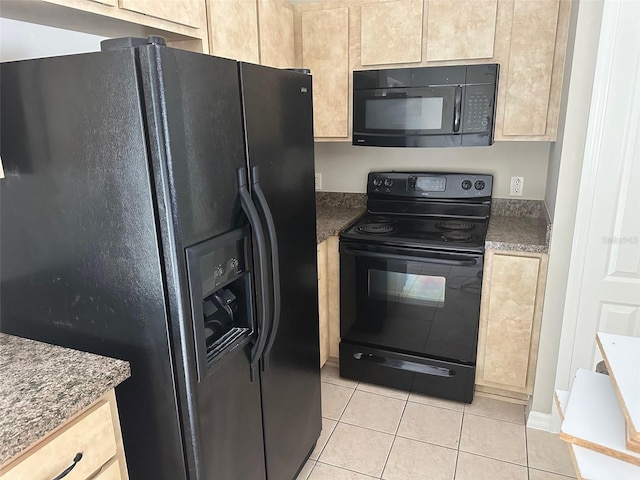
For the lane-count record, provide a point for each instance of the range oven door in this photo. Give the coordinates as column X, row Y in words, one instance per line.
column 420, row 302
column 409, row 318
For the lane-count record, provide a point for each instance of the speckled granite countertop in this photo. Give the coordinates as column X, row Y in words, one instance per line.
column 42, row 385
column 518, row 225
column 515, row 225
column 334, row 211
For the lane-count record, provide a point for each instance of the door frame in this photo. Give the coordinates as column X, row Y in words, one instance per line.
column 615, row 25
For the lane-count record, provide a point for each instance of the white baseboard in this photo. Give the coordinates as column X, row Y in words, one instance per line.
column 539, row 421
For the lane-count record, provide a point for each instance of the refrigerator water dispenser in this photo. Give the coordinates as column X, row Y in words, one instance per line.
column 220, row 293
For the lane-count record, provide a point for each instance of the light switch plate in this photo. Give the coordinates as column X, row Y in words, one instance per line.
column 318, row 181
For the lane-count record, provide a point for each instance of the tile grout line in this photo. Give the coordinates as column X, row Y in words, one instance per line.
column 395, row 436
column 455, row 468
column 335, row 426
column 345, row 468
column 347, row 404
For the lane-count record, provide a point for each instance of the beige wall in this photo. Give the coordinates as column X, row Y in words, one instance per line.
column 565, row 166
column 344, row 167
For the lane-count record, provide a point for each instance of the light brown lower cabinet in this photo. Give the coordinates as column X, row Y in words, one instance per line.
column 94, row 432
column 510, row 314
column 329, row 298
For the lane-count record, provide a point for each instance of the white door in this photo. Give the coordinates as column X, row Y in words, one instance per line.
column 603, row 290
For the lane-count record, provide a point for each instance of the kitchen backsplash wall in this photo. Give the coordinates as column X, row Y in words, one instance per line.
column 344, row 167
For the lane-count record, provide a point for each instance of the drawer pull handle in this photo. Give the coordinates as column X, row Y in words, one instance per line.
column 76, row 459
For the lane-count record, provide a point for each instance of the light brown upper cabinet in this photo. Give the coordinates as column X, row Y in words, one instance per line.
column 183, row 23
column 391, row 32
column 530, row 67
column 275, row 22
column 461, row 30
column 527, row 38
column 186, row 12
column 325, row 51
column 233, row 29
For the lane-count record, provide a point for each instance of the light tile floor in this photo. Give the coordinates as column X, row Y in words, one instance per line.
column 375, row 432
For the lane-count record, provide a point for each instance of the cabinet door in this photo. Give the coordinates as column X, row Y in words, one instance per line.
column 461, row 30
column 512, row 291
column 185, row 12
column 275, row 21
column 391, row 32
column 325, row 51
column 530, row 66
column 233, row 29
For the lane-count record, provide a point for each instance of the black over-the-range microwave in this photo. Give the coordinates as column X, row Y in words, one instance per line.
column 425, row 106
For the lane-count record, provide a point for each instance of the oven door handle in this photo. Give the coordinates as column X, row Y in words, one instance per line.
column 420, row 256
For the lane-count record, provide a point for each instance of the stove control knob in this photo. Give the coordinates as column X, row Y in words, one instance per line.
column 479, row 185
column 233, row 263
column 388, row 182
column 218, row 271
column 466, row 184
column 377, row 181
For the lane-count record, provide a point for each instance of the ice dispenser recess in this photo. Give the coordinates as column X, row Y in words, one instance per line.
column 220, row 291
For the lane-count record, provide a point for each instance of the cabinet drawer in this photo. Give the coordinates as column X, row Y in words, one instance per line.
column 92, row 434
column 111, row 471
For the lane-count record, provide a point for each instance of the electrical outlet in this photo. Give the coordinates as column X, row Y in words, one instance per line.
column 517, row 186
column 318, row 181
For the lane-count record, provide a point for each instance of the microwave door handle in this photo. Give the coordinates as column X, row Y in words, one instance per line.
column 275, row 264
column 251, row 211
column 457, row 109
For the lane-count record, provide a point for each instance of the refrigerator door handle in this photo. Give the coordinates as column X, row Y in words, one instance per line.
column 251, row 211
column 275, row 263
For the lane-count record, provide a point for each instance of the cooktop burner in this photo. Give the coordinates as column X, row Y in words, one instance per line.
column 375, row 228
column 454, row 225
column 380, row 219
column 457, row 236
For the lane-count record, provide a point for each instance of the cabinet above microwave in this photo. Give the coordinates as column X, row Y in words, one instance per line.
column 425, row 107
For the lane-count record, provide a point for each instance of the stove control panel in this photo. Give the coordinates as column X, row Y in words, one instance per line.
column 429, row 185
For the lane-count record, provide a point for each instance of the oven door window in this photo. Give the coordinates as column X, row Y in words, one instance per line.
column 413, row 111
column 412, row 306
column 409, row 288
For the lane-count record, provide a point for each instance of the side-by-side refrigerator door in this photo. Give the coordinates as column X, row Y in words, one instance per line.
column 196, row 138
column 279, row 131
column 80, row 252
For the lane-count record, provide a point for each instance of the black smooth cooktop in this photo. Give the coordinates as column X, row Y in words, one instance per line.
column 444, row 233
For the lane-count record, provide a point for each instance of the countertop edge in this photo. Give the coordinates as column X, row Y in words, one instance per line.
column 45, row 385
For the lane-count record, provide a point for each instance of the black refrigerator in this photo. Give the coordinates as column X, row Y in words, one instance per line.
column 159, row 207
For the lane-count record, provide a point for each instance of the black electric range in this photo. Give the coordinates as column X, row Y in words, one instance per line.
column 410, row 282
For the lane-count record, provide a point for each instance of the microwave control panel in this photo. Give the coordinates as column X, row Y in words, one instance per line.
column 478, row 109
